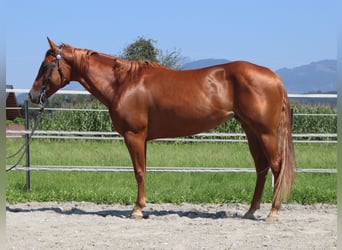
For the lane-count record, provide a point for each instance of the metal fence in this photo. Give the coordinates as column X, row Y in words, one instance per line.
column 202, row 137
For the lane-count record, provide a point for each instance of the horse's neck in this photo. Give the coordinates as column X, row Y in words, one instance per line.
column 98, row 78
column 104, row 75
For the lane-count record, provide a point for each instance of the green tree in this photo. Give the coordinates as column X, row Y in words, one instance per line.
column 171, row 59
column 144, row 49
column 141, row 49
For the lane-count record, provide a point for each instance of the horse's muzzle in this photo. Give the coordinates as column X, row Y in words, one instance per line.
column 34, row 97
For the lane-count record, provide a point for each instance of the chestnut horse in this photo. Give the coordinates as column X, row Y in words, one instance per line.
column 147, row 101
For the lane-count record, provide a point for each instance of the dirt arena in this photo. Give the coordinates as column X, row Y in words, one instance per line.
column 81, row 225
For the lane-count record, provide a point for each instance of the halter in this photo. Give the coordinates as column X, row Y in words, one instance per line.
column 42, row 96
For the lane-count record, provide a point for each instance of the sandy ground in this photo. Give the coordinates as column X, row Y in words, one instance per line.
column 81, row 225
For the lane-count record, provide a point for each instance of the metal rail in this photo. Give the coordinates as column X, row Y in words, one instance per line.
column 162, row 169
column 202, row 137
column 84, row 92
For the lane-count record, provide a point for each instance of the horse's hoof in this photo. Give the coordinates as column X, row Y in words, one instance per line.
column 271, row 219
column 136, row 215
column 272, row 216
column 249, row 216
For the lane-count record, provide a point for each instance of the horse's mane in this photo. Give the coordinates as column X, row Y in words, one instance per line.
column 81, row 58
column 138, row 64
column 122, row 68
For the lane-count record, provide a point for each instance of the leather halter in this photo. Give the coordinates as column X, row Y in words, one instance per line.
column 42, row 96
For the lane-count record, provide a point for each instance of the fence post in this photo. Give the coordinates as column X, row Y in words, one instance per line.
column 27, row 140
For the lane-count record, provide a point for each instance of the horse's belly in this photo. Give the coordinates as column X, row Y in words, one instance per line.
column 177, row 125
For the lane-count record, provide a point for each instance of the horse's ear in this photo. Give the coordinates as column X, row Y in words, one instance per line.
column 52, row 44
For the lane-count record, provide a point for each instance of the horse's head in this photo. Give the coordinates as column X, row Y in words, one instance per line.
column 53, row 74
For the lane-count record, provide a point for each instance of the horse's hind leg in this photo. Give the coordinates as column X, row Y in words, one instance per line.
column 261, row 166
column 270, row 145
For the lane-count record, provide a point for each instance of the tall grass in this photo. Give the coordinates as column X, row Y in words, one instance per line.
column 100, row 121
column 314, row 124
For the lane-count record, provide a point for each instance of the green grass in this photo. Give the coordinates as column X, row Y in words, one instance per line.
column 163, row 187
column 97, row 153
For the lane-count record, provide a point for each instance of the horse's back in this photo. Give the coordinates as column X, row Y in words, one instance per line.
column 252, row 72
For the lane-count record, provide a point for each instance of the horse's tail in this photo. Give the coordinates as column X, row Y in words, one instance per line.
column 284, row 182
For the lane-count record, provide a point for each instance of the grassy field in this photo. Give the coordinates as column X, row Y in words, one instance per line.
column 163, row 187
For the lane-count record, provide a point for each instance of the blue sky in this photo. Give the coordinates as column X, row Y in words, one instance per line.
column 275, row 34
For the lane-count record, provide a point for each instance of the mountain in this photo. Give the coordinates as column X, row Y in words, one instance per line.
column 74, row 86
column 21, row 98
column 320, row 76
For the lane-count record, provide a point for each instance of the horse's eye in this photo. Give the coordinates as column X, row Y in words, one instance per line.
column 43, row 68
column 51, row 53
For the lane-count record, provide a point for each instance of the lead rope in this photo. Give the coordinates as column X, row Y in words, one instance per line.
column 27, row 141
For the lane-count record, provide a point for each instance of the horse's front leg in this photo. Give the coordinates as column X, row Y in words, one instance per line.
column 136, row 144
